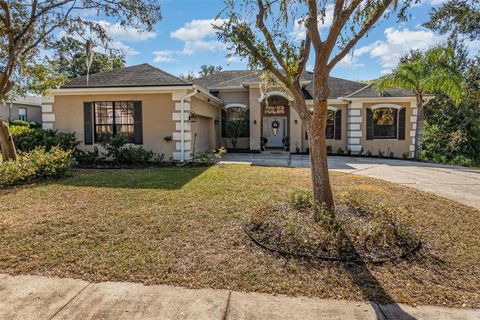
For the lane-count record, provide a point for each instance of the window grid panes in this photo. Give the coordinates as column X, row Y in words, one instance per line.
column 330, row 124
column 112, row 118
column 22, row 114
column 385, row 123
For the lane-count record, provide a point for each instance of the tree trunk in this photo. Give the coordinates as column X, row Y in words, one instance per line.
column 419, row 129
column 6, row 143
column 322, row 191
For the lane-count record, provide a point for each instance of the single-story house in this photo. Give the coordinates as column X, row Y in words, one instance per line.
column 22, row 108
column 174, row 117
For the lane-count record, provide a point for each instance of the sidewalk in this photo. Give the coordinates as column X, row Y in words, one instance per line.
column 35, row 297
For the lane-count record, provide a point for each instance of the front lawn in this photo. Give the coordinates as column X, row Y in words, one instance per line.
column 182, row 226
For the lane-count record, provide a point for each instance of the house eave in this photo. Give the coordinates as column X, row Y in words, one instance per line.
column 120, row 90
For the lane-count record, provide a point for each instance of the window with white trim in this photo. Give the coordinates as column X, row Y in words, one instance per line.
column 22, row 114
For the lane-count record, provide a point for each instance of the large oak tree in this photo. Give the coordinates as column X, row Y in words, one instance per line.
column 29, row 27
column 281, row 36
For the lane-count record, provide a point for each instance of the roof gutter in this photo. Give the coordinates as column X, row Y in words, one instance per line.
column 208, row 94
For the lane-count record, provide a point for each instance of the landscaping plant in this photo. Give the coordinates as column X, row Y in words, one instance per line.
column 36, row 164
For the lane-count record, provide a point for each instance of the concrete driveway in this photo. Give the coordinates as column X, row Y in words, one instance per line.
column 455, row 183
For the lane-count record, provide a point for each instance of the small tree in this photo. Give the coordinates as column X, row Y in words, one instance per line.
column 266, row 31
column 28, row 27
column 206, row 70
column 422, row 73
column 236, row 128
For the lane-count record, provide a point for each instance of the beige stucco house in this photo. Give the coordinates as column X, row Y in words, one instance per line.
column 22, row 108
column 152, row 106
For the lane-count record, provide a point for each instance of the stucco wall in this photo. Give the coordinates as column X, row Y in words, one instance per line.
column 156, row 113
column 203, row 128
column 398, row 147
column 255, row 119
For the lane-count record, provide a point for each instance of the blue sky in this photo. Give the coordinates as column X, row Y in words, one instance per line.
column 183, row 40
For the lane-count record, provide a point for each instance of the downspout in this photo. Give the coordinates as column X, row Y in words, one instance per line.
column 182, row 121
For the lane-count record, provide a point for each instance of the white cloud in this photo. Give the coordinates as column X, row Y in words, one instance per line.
column 397, row 43
column 117, row 32
column 163, row 56
column 198, row 36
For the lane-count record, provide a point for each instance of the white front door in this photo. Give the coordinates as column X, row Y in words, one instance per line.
column 274, row 129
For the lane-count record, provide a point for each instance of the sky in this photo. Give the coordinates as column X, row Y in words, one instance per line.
column 184, row 40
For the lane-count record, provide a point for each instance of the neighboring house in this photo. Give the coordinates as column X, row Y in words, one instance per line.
column 149, row 105
column 25, row 109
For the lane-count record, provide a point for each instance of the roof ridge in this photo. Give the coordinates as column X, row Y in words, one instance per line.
column 236, row 78
column 165, row 72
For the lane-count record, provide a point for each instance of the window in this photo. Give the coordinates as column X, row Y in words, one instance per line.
column 384, row 123
column 334, row 125
column 112, row 118
column 330, row 124
column 236, row 114
column 22, row 114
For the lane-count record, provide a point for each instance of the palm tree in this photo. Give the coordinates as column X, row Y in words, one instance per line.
column 426, row 72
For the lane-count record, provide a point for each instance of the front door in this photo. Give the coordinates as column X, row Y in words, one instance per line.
column 274, row 129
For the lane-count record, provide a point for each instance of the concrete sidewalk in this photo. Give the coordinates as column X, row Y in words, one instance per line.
column 35, row 297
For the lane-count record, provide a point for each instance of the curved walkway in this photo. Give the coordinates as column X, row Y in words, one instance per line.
column 452, row 182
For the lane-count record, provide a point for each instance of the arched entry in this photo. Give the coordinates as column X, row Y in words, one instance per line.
column 275, row 113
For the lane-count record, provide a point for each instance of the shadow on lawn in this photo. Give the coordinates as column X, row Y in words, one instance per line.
column 151, row 178
column 372, row 290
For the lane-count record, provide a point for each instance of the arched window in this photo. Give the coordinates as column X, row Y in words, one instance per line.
column 386, row 122
column 236, row 112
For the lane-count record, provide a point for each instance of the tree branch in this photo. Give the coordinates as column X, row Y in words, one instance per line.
column 268, row 37
column 313, row 25
column 366, row 26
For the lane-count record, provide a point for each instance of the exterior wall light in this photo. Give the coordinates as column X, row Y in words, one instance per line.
column 192, row 117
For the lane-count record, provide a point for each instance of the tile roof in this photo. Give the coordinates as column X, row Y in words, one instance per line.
column 142, row 75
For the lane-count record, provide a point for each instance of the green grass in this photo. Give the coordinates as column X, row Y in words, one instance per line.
column 182, row 226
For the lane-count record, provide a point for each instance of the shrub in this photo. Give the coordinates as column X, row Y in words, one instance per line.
column 329, row 150
column 133, row 155
column 340, row 151
column 462, row 160
column 113, row 145
column 36, row 164
column 35, row 125
column 27, row 139
column 53, row 164
column 208, row 157
column 87, row 157
column 368, row 153
column 300, row 199
column 19, row 123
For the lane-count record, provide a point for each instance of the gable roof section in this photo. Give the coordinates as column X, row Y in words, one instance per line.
column 142, row 75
